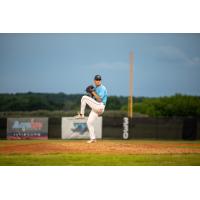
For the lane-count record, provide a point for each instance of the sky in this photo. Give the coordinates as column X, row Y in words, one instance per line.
column 164, row 64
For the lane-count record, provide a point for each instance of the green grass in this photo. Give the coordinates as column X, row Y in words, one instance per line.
column 100, row 160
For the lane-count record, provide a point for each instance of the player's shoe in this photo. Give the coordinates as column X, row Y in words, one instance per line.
column 79, row 116
column 91, row 141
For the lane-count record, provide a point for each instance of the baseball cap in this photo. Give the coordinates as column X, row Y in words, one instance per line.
column 97, row 77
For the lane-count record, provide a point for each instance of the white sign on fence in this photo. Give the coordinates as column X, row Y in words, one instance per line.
column 77, row 128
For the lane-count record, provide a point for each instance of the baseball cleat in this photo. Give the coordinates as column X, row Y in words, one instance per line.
column 91, row 141
column 79, row 116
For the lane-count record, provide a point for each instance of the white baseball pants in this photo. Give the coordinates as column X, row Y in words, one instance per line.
column 97, row 108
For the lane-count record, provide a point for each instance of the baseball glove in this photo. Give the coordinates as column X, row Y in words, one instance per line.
column 90, row 89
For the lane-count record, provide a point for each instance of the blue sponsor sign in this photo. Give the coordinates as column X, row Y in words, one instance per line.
column 27, row 128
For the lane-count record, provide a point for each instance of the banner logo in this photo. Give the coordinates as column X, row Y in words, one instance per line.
column 125, row 128
column 26, row 126
column 81, row 128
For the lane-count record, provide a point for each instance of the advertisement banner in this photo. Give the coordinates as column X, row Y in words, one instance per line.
column 27, row 128
column 77, row 128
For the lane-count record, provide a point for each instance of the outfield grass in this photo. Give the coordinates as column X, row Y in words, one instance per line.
column 100, row 160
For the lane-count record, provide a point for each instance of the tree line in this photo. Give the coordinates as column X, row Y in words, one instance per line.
column 176, row 105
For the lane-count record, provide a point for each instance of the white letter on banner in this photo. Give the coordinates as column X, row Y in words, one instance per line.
column 125, row 130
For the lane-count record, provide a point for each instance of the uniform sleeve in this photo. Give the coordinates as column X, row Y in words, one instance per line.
column 101, row 94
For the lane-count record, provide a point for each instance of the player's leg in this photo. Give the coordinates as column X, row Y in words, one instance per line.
column 82, row 110
column 94, row 105
column 90, row 123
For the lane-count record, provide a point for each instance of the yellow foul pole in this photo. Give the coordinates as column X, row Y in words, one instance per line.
column 130, row 100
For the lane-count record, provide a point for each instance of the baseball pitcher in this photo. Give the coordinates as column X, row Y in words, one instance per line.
column 96, row 101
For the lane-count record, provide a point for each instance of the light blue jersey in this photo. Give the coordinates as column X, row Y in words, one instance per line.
column 102, row 93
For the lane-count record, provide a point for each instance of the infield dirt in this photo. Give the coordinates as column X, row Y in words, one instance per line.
column 130, row 147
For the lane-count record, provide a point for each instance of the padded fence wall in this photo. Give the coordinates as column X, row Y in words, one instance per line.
column 190, row 128
column 139, row 128
column 153, row 128
column 3, row 128
column 158, row 128
column 198, row 129
column 55, row 128
column 113, row 127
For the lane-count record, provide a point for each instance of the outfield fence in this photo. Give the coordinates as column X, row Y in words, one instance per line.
column 154, row 128
column 187, row 128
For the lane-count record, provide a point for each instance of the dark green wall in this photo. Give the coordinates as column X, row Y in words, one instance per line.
column 139, row 128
